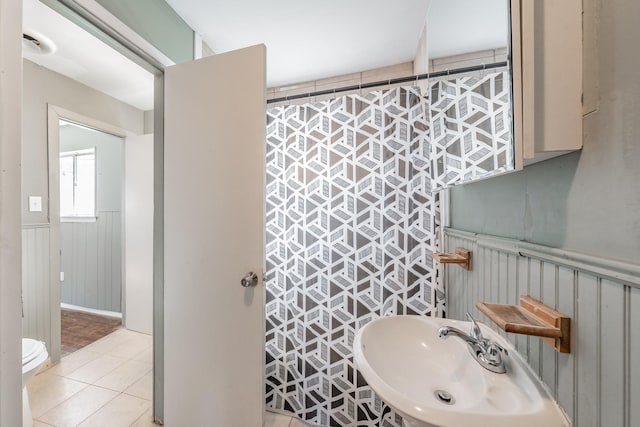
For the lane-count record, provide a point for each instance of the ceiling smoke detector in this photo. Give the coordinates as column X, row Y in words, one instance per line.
column 34, row 42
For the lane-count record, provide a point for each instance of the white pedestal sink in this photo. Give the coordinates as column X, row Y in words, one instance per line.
column 435, row 382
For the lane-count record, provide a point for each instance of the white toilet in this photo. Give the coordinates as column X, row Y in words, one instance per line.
column 34, row 354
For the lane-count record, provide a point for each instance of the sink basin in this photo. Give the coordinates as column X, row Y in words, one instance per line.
column 431, row 381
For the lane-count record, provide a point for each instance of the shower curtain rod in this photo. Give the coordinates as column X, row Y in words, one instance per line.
column 408, row 79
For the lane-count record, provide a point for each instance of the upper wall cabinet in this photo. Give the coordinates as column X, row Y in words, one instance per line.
column 507, row 85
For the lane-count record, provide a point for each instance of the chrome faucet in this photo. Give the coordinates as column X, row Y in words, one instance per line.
column 488, row 353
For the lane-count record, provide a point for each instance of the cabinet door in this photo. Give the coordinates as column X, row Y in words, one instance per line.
column 213, row 233
column 552, row 78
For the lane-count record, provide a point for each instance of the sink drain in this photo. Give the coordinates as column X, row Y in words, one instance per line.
column 444, row 397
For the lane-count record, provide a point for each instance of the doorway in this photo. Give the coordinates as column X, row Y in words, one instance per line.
column 70, row 82
column 90, row 188
column 38, row 230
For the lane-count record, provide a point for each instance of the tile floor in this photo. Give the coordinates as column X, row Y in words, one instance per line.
column 107, row 383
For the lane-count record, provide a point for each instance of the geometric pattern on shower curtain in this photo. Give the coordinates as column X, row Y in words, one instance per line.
column 471, row 128
column 350, row 225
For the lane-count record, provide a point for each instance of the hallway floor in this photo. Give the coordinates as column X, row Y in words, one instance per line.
column 80, row 329
column 107, row 383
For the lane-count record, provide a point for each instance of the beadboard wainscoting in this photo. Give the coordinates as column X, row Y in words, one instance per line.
column 598, row 383
column 38, row 297
column 92, row 262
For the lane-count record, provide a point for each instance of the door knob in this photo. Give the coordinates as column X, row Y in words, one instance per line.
column 251, row 279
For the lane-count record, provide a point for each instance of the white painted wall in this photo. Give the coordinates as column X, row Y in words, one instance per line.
column 10, row 221
column 138, row 214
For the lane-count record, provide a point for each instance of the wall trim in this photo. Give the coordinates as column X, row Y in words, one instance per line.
column 29, row 226
column 101, row 23
column 106, row 313
column 595, row 380
column 603, row 267
column 54, row 115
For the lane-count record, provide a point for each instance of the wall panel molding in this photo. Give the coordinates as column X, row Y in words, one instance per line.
column 603, row 267
column 92, row 262
column 597, row 383
column 36, row 285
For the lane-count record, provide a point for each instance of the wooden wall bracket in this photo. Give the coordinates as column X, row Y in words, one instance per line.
column 531, row 317
column 462, row 257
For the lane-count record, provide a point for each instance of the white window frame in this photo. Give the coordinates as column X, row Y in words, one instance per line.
column 75, row 154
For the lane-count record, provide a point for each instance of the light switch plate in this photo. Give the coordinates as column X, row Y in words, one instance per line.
column 35, row 204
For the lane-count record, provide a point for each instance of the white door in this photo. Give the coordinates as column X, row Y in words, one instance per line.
column 213, row 234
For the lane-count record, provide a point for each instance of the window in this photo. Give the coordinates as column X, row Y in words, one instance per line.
column 78, row 184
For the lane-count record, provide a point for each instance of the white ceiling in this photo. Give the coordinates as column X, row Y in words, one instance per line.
column 311, row 39
column 305, row 39
column 462, row 26
column 86, row 59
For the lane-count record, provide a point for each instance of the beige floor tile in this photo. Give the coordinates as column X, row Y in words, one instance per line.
column 79, row 407
column 130, row 348
column 272, row 419
column 146, row 420
column 74, row 361
column 89, row 393
column 41, row 380
column 127, row 333
column 124, row 375
column 142, row 388
column 121, row 411
column 145, row 356
column 146, row 338
column 96, row 369
column 105, row 344
column 113, row 340
column 50, row 391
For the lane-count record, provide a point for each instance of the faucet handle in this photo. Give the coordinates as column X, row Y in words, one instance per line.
column 475, row 332
column 492, row 359
column 492, row 354
column 494, row 347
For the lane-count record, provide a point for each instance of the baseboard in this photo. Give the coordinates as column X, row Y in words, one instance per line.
column 91, row 310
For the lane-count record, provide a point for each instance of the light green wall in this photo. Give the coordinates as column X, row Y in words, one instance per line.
column 587, row 201
column 157, row 23
column 528, row 205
